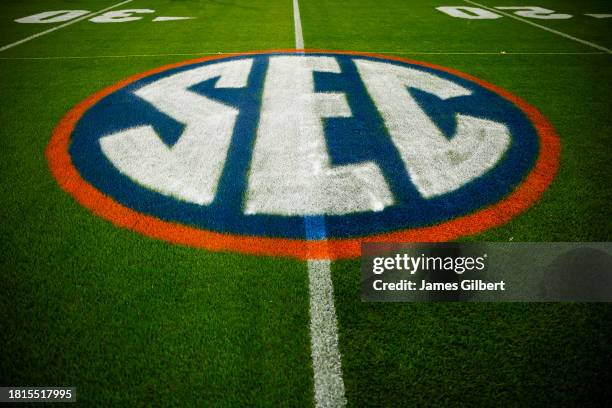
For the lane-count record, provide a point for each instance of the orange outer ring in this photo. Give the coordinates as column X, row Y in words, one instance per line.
column 524, row 195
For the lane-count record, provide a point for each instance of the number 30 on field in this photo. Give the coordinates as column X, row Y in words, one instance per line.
column 115, row 16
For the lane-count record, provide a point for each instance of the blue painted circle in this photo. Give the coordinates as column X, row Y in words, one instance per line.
column 345, row 142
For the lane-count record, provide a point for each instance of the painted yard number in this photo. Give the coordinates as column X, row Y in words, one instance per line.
column 115, row 16
column 477, row 13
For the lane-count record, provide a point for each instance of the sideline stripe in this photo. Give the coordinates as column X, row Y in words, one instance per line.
column 550, row 30
column 299, row 38
column 326, row 361
column 6, row 47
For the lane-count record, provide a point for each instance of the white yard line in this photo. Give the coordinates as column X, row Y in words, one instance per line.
column 550, row 30
column 16, row 43
column 299, row 38
column 326, row 361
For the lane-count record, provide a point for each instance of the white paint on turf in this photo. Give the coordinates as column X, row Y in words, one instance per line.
column 297, row 22
column 291, row 171
column 121, row 16
column 470, row 13
column 550, row 30
column 162, row 18
column 52, row 29
column 539, row 13
column 191, row 168
column 436, row 164
column 599, row 15
column 326, row 361
column 51, row 17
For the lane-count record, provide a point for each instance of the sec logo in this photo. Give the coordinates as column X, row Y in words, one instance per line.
column 304, row 154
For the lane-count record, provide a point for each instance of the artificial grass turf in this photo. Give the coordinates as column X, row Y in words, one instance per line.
column 133, row 321
column 158, row 325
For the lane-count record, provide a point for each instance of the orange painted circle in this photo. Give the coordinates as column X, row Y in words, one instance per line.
column 523, row 196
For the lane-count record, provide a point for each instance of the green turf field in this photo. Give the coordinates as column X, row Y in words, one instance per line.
column 134, row 321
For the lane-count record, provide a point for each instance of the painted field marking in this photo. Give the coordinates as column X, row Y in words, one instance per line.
column 115, row 16
column 158, row 19
column 16, row 43
column 244, row 233
column 599, row 15
column 299, row 38
column 550, row 30
column 326, row 360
